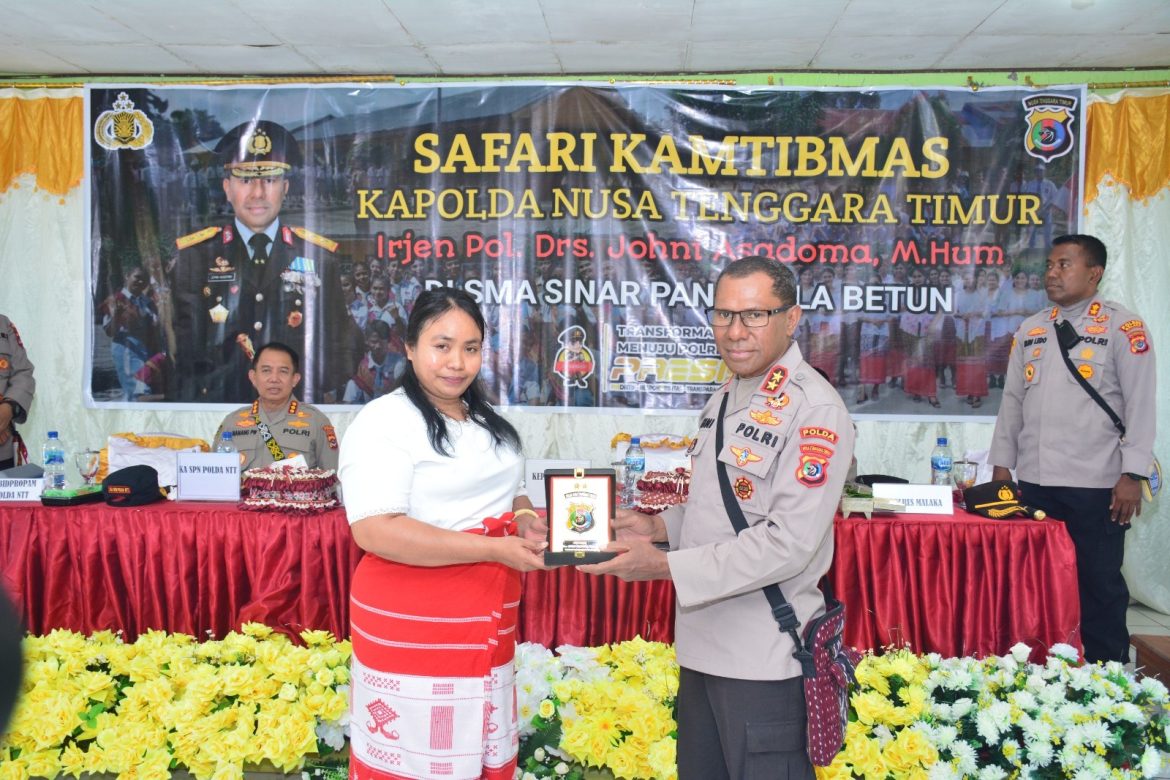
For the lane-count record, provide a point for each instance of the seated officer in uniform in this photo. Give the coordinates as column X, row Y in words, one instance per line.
column 278, row 426
column 256, row 280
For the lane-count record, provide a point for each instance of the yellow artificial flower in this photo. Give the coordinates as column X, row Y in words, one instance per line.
column 547, row 709
column 317, row 638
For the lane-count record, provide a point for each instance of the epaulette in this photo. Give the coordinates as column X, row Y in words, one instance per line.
column 198, row 237
column 313, row 238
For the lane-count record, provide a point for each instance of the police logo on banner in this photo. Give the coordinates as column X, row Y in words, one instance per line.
column 1050, row 120
column 126, row 127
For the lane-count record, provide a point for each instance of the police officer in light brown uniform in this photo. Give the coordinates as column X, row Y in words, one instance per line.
column 788, row 443
column 1069, row 457
column 276, row 425
column 16, row 389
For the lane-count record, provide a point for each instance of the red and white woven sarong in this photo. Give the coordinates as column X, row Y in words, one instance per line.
column 433, row 683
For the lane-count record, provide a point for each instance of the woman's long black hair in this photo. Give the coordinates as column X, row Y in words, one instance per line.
column 431, row 304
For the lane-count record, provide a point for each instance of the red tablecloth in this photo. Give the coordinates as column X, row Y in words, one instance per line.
column 207, row 568
column 191, row 568
column 952, row 585
column 957, row 586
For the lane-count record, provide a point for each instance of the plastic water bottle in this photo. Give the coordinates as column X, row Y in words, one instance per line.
column 940, row 463
column 53, row 454
column 225, row 443
column 635, row 468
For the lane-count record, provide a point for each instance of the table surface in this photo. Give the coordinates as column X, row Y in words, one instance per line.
column 955, row 585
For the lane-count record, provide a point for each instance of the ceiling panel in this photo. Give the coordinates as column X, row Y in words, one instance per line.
column 551, row 37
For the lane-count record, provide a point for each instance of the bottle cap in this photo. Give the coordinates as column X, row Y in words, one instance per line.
column 52, row 434
column 635, row 440
column 942, row 441
column 226, row 435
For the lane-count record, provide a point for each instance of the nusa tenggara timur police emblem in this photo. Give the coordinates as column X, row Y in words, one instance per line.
column 1050, row 119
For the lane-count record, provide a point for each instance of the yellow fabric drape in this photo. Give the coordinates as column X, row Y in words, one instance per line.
column 41, row 136
column 1127, row 140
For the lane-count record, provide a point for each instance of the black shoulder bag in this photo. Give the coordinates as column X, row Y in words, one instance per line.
column 826, row 665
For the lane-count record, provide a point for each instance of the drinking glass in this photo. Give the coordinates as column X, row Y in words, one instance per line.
column 623, row 496
column 964, row 473
column 87, row 464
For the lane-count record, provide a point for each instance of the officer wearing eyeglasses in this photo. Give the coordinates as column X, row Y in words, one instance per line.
column 787, row 445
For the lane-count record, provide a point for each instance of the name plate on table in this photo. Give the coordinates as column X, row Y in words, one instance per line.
column 208, row 476
column 580, row 504
column 918, row 499
column 21, row 488
column 534, row 469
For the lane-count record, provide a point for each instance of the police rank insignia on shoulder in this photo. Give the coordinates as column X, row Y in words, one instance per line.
column 198, row 237
column 313, row 238
column 774, row 380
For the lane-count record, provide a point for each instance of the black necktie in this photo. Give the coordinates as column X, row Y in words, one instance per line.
column 259, row 244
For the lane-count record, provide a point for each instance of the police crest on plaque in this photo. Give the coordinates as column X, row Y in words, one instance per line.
column 580, row 505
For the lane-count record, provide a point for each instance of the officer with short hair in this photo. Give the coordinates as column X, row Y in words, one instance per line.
column 787, row 447
column 277, row 426
column 1070, row 458
column 256, row 280
column 16, row 392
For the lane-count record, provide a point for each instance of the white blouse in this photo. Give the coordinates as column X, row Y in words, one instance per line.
column 387, row 466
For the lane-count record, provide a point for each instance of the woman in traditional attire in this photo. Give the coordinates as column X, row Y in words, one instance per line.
column 1000, row 335
column 918, row 332
column 432, row 478
column 875, row 345
column 972, row 308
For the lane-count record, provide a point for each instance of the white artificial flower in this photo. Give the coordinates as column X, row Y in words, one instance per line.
column 1095, row 766
column 966, row 759
column 943, row 770
column 1152, row 686
column 1024, row 700
column 1020, row 652
column 1098, row 734
column 539, row 755
column 332, row 735
column 882, row 733
column 992, row 773
column 1075, row 736
column 1040, row 752
column 528, row 776
column 561, row 768
column 1066, row 652
column 1151, row 761
column 962, row 708
column 1127, row 710
column 986, row 726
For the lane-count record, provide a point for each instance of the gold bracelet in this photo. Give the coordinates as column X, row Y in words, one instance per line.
column 525, row 511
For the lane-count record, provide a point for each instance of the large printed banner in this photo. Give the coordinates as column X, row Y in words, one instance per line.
column 589, row 221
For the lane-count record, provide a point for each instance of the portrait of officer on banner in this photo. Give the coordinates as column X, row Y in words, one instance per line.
column 256, row 279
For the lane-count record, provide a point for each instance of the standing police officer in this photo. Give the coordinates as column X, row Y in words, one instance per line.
column 16, row 390
column 256, row 280
column 788, row 444
column 1071, row 459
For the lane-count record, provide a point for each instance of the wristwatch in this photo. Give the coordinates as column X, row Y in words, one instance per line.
column 1133, row 476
